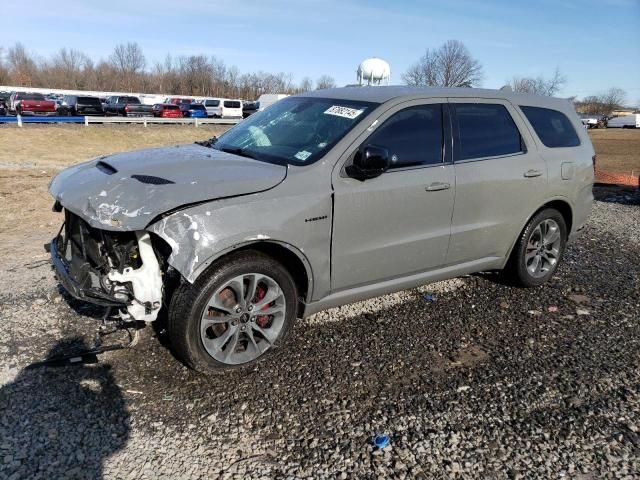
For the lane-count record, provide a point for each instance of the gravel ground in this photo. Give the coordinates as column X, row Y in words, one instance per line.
column 487, row 381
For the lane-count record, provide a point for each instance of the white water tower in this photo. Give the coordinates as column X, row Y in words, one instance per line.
column 374, row 71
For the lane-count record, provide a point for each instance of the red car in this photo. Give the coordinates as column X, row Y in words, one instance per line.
column 166, row 110
column 179, row 100
column 22, row 103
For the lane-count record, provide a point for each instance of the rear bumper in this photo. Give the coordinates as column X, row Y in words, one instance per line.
column 29, row 113
column 72, row 286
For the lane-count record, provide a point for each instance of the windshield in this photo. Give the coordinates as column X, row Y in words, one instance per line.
column 32, row 96
column 295, row 130
column 89, row 100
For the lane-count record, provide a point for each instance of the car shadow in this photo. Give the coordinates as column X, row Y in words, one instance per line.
column 617, row 194
column 61, row 422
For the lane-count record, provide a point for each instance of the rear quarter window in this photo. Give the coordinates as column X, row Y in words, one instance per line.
column 552, row 127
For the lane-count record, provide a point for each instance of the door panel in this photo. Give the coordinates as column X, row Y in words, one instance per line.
column 392, row 225
column 494, row 196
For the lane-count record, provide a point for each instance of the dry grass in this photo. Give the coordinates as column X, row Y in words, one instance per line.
column 57, row 146
column 618, row 149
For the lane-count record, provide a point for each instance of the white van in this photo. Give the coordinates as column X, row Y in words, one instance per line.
column 267, row 99
column 213, row 107
column 231, row 108
column 223, row 107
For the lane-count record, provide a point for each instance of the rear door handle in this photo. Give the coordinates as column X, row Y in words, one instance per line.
column 532, row 173
column 435, row 186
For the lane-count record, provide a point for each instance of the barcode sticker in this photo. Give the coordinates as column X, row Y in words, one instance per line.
column 345, row 112
column 302, row 155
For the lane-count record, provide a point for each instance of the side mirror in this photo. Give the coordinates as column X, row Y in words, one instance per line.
column 369, row 162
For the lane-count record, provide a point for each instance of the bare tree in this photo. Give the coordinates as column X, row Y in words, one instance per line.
column 604, row 103
column 67, row 69
column 23, row 66
column 129, row 61
column 539, row 85
column 306, row 85
column 5, row 77
column 450, row 65
column 612, row 99
column 324, row 82
column 423, row 72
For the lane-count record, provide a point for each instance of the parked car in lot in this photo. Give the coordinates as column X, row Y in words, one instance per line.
column 592, row 120
column 213, row 107
column 323, row 199
column 21, row 103
column 625, row 121
column 193, row 110
column 231, row 109
column 127, row 106
column 249, row 108
column 166, row 110
column 179, row 100
column 76, row 105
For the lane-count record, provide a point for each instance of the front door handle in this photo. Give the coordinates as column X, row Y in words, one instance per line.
column 532, row 173
column 435, row 186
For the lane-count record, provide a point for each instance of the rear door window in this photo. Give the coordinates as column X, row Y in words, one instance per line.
column 485, row 130
column 412, row 136
column 212, row 103
column 89, row 101
column 552, row 127
column 231, row 104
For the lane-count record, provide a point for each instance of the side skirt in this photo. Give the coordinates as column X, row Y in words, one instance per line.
column 365, row 292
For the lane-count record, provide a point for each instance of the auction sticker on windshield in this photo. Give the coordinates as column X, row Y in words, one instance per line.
column 345, row 112
column 303, row 155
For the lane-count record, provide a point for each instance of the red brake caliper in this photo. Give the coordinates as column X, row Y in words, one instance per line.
column 261, row 320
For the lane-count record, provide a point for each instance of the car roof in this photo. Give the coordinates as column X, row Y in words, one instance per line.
column 382, row 94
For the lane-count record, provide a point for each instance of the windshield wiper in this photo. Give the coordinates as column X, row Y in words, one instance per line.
column 239, row 151
column 208, row 143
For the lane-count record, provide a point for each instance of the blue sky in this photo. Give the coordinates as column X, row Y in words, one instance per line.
column 595, row 43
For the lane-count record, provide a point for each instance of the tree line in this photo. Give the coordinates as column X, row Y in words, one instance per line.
column 452, row 65
column 127, row 69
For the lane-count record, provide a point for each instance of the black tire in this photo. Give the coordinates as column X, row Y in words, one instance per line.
column 516, row 270
column 189, row 301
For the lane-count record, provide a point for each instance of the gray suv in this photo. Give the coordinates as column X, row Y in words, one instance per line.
column 323, row 199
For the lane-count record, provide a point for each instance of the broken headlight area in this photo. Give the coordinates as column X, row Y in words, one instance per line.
column 116, row 269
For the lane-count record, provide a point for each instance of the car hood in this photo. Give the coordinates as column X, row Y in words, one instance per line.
column 127, row 190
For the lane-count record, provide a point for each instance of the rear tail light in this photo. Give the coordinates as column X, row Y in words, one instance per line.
column 593, row 159
column 126, row 108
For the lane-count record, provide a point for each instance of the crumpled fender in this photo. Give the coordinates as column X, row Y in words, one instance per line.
column 200, row 234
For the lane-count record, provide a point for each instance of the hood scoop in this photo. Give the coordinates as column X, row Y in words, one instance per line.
column 151, row 180
column 104, row 167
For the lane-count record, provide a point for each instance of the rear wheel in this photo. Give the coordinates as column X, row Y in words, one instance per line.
column 241, row 309
column 539, row 249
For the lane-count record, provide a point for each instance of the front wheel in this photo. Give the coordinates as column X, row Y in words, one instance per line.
column 539, row 249
column 241, row 309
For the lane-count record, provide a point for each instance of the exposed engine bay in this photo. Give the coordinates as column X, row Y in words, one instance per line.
column 115, row 269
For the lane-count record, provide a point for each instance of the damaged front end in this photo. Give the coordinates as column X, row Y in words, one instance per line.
column 113, row 269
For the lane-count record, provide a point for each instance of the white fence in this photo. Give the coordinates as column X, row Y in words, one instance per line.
column 20, row 120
